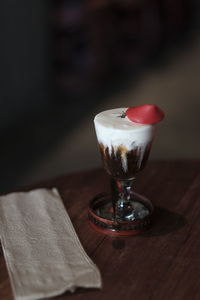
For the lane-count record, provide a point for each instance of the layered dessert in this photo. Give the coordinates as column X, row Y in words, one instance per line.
column 125, row 145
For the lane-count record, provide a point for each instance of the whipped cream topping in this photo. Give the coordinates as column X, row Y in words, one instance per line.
column 113, row 131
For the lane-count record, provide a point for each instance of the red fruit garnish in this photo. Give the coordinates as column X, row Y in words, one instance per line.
column 145, row 114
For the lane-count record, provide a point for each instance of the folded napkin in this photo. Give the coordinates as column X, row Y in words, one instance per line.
column 43, row 253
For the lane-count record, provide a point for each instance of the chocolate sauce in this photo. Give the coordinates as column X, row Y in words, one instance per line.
column 113, row 162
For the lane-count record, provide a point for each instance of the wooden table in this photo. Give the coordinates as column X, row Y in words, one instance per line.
column 162, row 264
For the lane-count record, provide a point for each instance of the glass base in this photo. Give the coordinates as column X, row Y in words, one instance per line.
column 136, row 221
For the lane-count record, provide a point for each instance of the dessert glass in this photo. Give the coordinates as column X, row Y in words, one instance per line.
column 124, row 148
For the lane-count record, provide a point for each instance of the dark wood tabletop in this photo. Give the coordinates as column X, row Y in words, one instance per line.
column 163, row 263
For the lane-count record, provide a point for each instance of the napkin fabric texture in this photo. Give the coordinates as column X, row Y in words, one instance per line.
column 43, row 253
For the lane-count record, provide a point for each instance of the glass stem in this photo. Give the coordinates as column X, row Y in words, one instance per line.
column 122, row 199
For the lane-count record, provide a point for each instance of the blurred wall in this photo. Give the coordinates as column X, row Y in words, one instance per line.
column 96, row 41
column 24, row 58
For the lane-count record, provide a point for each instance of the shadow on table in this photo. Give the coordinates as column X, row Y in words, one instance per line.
column 78, row 291
column 164, row 222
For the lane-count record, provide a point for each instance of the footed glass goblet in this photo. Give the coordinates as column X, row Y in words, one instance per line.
column 124, row 147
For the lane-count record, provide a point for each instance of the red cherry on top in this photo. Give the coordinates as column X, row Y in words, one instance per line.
column 145, row 114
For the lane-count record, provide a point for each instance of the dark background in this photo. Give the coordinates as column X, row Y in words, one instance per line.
column 64, row 61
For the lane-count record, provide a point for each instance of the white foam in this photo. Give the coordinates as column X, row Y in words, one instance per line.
column 113, row 131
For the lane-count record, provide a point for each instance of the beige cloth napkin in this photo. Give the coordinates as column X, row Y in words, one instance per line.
column 43, row 253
